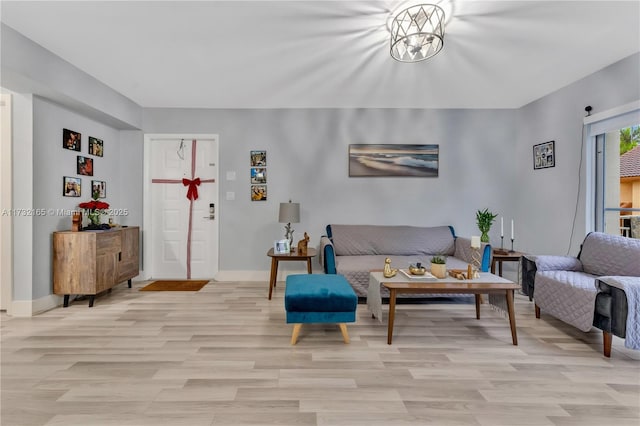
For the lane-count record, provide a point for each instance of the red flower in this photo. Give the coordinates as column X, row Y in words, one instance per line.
column 94, row 205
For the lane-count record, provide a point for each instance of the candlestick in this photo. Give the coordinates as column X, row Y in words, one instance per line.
column 511, row 251
column 502, row 242
column 502, row 227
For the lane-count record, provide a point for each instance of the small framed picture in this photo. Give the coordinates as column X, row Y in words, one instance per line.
column 258, row 158
column 544, row 155
column 258, row 175
column 95, row 146
column 71, row 186
column 258, row 192
column 281, row 247
column 99, row 188
column 85, row 166
column 71, row 140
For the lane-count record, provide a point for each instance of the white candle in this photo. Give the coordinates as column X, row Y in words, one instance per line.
column 502, row 226
column 512, row 229
column 475, row 242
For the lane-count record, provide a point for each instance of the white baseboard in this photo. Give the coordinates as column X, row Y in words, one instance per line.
column 242, row 276
column 255, row 275
column 29, row 308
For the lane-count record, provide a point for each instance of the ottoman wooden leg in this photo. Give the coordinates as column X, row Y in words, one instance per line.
column 345, row 334
column 296, row 331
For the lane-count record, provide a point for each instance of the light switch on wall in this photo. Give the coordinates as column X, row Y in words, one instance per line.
column 231, row 196
column 231, row 175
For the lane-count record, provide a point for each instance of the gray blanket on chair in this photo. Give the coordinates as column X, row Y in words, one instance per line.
column 631, row 288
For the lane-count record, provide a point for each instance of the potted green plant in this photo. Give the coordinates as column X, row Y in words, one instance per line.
column 439, row 266
column 484, row 219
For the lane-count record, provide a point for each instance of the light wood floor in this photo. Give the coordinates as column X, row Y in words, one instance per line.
column 222, row 356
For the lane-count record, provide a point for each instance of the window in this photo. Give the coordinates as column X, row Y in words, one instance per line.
column 616, row 175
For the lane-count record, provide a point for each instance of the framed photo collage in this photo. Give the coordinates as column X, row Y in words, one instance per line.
column 72, row 185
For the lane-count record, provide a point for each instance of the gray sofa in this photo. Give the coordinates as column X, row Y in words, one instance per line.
column 355, row 250
column 566, row 287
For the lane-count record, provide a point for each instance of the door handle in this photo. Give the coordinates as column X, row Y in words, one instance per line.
column 212, row 212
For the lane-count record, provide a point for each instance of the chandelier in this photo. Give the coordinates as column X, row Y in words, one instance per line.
column 417, row 33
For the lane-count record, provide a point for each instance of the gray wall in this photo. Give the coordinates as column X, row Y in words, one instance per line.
column 545, row 200
column 485, row 161
column 52, row 162
column 307, row 155
column 67, row 98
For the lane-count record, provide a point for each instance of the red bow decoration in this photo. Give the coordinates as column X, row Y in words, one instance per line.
column 192, row 192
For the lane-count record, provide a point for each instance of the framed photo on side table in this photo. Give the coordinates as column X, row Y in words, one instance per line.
column 281, row 247
column 544, row 155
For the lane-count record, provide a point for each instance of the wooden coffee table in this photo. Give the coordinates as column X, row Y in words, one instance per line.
column 486, row 284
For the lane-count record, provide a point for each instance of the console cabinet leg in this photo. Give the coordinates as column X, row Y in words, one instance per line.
column 129, row 282
column 91, row 299
column 537, row 311
column 66, row 301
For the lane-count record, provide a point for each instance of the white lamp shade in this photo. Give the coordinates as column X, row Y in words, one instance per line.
column 289, row 213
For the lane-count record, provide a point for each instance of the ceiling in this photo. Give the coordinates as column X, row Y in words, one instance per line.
column 328, row 54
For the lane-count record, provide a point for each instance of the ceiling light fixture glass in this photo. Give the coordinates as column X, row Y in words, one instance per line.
column 417, row 33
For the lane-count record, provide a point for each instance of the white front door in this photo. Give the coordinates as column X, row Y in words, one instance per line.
column 184, row 233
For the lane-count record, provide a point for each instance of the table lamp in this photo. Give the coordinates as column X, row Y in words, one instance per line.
column 289, row 213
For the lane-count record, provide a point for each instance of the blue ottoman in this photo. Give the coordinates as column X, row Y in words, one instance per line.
column 319, row 299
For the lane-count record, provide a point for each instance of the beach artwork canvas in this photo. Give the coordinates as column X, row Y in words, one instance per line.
column 393, row 160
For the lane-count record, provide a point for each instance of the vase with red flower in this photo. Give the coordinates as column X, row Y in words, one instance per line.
column 94, row 209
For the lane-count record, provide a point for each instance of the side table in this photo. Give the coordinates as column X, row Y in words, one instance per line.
column 505, row 256
column 278, row 257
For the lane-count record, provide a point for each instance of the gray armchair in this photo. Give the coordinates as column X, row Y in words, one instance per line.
column 566, row 287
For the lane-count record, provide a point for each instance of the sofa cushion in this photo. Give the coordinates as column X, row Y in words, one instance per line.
column 604, row 254
column 350, row 240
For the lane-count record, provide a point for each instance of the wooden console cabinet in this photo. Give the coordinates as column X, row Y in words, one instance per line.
column 90, row 262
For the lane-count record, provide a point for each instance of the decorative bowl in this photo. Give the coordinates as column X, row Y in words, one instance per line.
column 414, row 270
